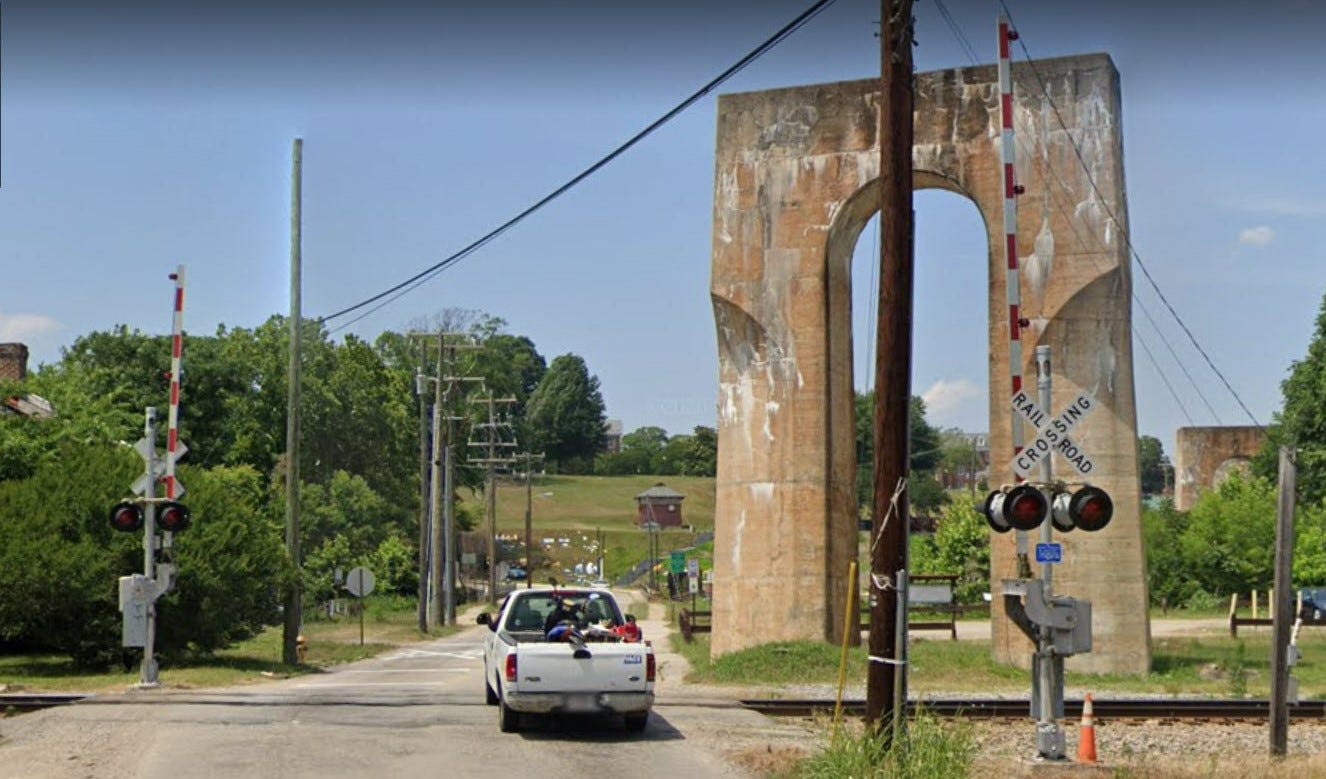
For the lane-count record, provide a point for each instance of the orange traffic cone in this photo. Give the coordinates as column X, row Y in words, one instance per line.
column 1086, row 734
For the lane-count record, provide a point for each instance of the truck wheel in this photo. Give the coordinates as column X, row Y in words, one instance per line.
column 635, row 723
column 490, row 696
column 508, row 720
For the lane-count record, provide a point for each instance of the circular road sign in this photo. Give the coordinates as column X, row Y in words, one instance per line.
column 359, row 581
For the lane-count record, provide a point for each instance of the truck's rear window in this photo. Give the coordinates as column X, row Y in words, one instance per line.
column 530, row 610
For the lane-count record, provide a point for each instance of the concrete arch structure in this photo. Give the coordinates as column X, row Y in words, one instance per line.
column 793, row 189
column 1206, row 456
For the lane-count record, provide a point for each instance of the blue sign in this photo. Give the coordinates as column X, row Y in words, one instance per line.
column 1049, row 553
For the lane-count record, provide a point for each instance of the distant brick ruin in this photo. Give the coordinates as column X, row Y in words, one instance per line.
column 13, row 362
column 794, row 186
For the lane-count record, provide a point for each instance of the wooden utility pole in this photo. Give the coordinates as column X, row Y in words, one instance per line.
column 1282, row 610
column 529, row 516
column 492, row 460
column 438, row 563
column 424, row 562
column 294, row 596
column 893, row 364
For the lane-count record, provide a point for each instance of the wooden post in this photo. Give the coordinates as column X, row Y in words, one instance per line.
column 1284, row 561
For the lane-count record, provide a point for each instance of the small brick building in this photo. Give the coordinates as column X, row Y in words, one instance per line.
column 659, row 504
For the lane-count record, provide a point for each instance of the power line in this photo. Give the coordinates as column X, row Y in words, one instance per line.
column 1045, row 91
column 414, row 281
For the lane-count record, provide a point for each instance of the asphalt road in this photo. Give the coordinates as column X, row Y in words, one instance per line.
column 418, row 711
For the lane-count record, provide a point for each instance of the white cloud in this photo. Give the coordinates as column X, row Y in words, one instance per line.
column 1256, row 236
column 26, row 328
column 948, row 398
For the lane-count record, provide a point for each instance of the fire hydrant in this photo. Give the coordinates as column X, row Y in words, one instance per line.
column 301, row 648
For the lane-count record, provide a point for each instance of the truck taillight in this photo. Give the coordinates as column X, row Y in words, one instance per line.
column 511, row 667
column 649, row 667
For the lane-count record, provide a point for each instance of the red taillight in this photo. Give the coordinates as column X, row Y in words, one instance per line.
column 650, row 668
column 511, row 667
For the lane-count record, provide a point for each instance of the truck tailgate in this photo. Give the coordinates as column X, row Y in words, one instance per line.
column 553, row 668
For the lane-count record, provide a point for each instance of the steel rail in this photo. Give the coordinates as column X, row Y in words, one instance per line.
column 1013, row 708
column 34, row 701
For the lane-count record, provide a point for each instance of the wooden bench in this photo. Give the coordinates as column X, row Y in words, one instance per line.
column 1236, row 622
column 692, row 622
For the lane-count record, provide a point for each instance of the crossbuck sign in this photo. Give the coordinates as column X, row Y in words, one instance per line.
column 1053, row 435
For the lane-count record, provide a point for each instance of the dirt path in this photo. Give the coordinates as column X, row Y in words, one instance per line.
column 979, row 630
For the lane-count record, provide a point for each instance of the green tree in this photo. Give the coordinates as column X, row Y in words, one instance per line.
column 1152, row 465
column 1169, row 581
column 962, row 546
column 566, row 415
column 701, row 455
column 1229, row 543
column 640, row 447
column 924, row 442
column 511, row 367
column 1301, row 423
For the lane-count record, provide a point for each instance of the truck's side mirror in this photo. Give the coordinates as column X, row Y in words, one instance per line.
column 484, row 618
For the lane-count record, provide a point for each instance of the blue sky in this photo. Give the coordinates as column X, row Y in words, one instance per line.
column 140, row 137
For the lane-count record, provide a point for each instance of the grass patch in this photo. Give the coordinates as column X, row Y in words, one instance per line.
column 936, row 665
column 926, row 748
column 1207, row 665
column 388, row 623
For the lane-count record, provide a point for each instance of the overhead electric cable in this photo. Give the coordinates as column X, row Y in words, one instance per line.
column 1045, row 92
column 426, row 274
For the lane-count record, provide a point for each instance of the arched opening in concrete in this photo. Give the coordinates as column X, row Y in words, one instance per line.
column 950, row 318
column 1234, row 465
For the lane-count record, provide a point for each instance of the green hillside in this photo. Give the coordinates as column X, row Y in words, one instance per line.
column 575, row 507
column 594, row 502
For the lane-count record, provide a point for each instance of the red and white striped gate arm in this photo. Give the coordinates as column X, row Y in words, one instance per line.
column 1012, row 280
column 176, row 358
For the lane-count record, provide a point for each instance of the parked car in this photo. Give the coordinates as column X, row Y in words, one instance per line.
column 516, row 574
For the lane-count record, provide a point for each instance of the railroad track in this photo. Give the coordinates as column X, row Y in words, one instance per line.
column 32, row 702
column 1110, row 708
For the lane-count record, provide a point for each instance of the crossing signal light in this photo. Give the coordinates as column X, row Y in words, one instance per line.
column 1023, row 507
column 173, row 517
column 1089, row 509
column 126, row 517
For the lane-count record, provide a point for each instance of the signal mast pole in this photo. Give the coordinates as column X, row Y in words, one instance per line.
column 886, row 676
column 1049, row 734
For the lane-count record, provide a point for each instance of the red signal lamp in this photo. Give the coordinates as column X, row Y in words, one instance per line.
column 173, row 517
column 126, row 517
column 1023, row 507
column 1089, row 509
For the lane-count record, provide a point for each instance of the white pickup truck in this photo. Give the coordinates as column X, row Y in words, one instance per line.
column 597, row 671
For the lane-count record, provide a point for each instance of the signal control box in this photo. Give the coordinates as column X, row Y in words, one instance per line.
column 137, row 593
column 1068, row 618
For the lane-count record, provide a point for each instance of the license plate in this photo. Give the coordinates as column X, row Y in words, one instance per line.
column 581, row 703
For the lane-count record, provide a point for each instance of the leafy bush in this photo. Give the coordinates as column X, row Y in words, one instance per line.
column 395, row 566
column 232, row 564
column 60, row 560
